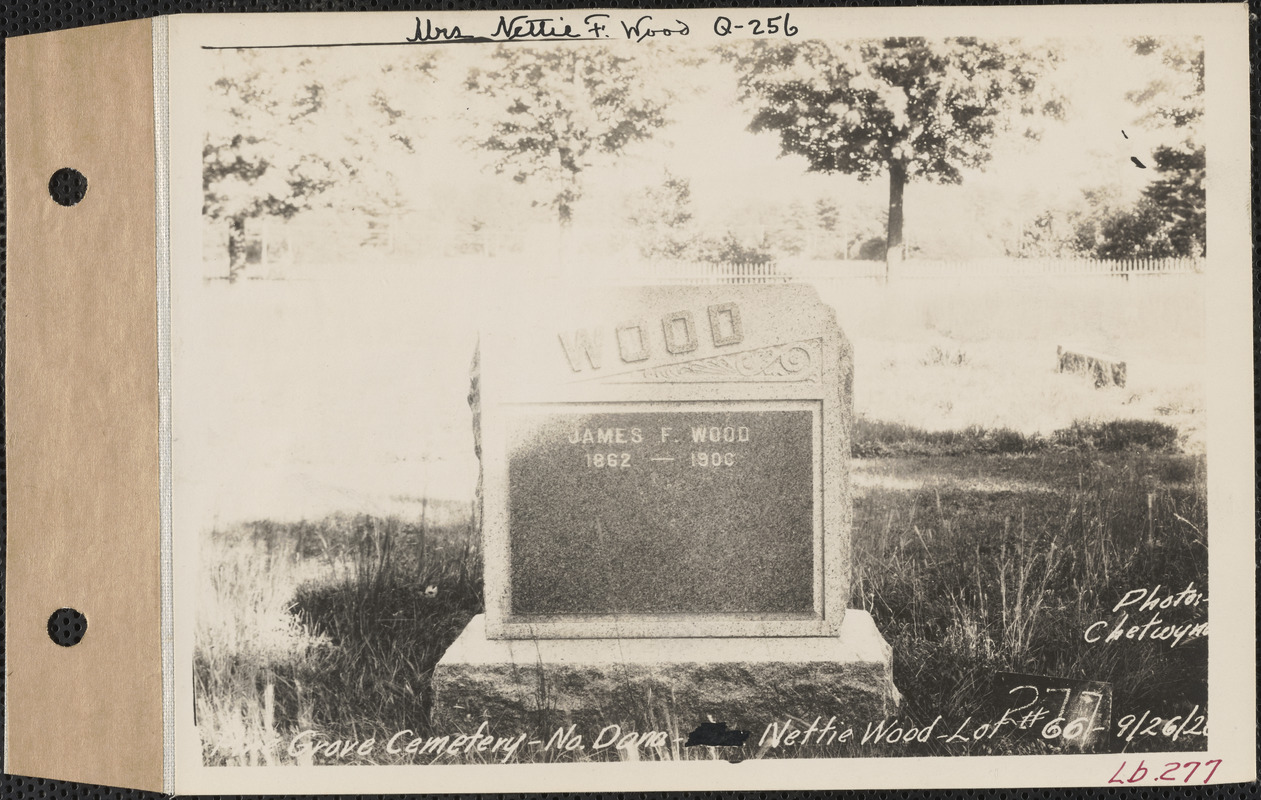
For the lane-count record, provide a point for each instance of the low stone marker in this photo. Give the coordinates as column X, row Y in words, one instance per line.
column 666, row 511
column 1106, row 370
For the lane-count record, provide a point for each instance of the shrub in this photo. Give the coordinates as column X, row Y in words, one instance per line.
column 1121, row 434
column 874, row 439
column 877, row 439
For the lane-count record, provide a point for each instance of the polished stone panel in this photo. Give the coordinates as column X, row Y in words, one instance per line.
column 668, row 511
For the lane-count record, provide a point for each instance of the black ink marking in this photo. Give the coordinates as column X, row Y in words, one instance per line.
column 716, row 734
column 641, row 30
column 594, row 26
column 428, row 32
column 524, row 26
column 1123, row 133
column 471, row 40
column 1138, row 163
column 406, row 43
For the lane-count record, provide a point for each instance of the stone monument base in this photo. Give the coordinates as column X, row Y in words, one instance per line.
column 664, row 684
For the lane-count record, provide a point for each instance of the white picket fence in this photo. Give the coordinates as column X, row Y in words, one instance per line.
column 1024, row 267
column 702, row 273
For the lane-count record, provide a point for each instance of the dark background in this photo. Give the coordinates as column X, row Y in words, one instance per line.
column 35, row 16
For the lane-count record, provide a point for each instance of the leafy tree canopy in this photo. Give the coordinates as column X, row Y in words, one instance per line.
column 913, row 108
column 288, row 132
column 1169, row 219
column 933, row 105
column 1174, row 101
column 552, row 113
column 661, row 216
column 1175, row 98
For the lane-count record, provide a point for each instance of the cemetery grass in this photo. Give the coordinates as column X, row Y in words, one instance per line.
column 975, row 552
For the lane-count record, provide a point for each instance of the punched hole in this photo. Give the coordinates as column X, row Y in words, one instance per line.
column 67, row 186
column 67, row 627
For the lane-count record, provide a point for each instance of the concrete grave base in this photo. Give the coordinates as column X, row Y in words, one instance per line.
column 668, row 684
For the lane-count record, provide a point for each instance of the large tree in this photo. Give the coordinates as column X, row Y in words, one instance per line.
column 1168, row 219
column 908, row 108
column 288, row 132
column 1173, row 102
column 554, row 112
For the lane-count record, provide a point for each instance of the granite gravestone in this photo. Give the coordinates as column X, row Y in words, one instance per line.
column 662, row 467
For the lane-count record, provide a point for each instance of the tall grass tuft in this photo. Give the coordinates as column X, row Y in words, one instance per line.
column 1023, row 577
column 248, row 643
column 329, row 626
column 969, row 577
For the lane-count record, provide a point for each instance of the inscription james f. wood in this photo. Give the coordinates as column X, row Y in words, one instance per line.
column 700, row 434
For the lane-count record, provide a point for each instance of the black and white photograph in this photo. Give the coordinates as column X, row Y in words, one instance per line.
column 723, row 386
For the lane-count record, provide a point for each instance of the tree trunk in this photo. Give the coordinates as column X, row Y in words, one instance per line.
column 566, row 200
column 236, row 246
column 893, row 242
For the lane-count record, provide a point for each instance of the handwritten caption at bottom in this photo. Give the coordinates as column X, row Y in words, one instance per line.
column 1065, row 715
